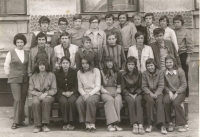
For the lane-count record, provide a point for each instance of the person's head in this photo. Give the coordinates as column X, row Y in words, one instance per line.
column 62, row 23
column 19, row 41
column 86, row 42
column 159, row 34
column 65, row 38
column 77, row 20
column 109, row 18
column 170, row 62
column 137, row 19
column 41, row 39
column 86, row 64
column 123, row 17
column 164, row 21
column 178, row 21
column 109, row 63
column 65, row 63
column 151, row 65
column 131, row 65
column 111, row 38
column 94, row 22
column 44, row 22
column 42, row 65
column 149, row 18
column 139, row 37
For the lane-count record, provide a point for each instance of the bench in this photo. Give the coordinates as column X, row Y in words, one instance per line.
column 55, row 114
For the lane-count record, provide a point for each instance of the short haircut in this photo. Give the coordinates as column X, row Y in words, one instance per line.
column 85, row 38
column 151, row 61
column 134, row 60
column 109, row 15
column 43, row 19
column 123, row 13
column 63, row 20
column 105, row 67
column 170, row 56
column 164, row 17
column 89, row 61
column 42, row 62
column 149, row 14
column 179, row 17
column 21, row 37
column 64, row 34
column 62, row 59
column 139, row 33
column 111, row 33
column 158, row 31
column 41, row 34
column 94, row 18
column 138, row 15
column 77, row 16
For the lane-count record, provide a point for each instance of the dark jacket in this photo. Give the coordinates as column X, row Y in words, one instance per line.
column 171, row 49
column 66, row 83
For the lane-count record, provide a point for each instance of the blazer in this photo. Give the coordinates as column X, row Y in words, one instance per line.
column 66, row 83
column 33, row 53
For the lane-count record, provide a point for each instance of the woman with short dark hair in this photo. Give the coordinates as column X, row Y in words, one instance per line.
column 16, row 68
column 42, row 86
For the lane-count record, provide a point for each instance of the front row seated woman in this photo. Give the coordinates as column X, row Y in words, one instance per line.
column 131, row 89
column 110, row 94
column 89, row 85
column 42, row 86
column 153, row 85
column 175, row 93
column 67, row 94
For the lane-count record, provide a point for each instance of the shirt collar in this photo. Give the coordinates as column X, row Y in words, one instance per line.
column 64, row 47
column 121, row 26
column 98, row 32
column 139, row 47
column 83, row 49
column 155, row 74
column 151, row 26
column 171, row 73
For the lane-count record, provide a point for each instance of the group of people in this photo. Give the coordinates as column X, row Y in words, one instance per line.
column 81, row 67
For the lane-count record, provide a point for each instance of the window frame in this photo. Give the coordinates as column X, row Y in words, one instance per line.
column 82, row 7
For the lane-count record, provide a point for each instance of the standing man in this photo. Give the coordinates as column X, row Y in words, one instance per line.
column 44, row 22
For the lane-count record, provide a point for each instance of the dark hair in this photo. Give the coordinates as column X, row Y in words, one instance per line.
column 41, row 34
column 62, row 59
column 111, row 33
column 123, row 13
column 105, row 68
column 77, row 16
column 149, row 14
column 164, row 17
column 109, row 15
column 158, row 31
column 85, row 38
column 41, row 62
column 134, row 60
column 64, row 34
column 151, row 61
column 21, row 37
column 138, row 15
column 63, row 20
column 43, row 19
column 94, row 18
column 170, row 56
column 179, row 17
column 139, row 33
column 89, row 61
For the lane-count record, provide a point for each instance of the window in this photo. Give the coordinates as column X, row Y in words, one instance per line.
column 108, row 5
column 12, row 7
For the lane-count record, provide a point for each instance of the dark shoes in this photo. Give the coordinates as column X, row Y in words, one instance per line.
column 22, row 124
column 14, row 126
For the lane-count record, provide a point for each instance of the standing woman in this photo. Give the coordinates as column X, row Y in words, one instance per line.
column 140, row 51
column 153, row 85
column 110, row 94
column 131, row 89
column 67, row 94
column 89, row 85
column 175, row 93
column 42, row 86
column 16, row 68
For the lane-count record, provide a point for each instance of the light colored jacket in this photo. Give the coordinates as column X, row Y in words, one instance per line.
column 59, row 53
column 146, row 53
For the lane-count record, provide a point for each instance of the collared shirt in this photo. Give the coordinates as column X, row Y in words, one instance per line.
column 139, row 48
column 171, row 73
column 86, row 51
column 150, row 29
column 163, row 53
column 66, row 50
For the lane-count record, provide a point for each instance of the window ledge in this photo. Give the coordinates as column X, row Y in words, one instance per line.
column 15, row 18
